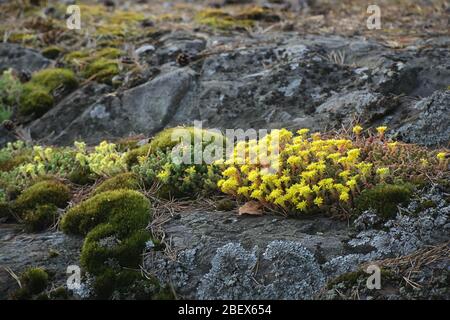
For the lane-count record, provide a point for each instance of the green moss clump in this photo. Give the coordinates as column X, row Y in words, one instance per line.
column 20, row 294
column 165, row 293
column 225, row 205
column 22, row 38
column 34, row 280
column 59, row 293
column 10, row 89
column 80, row 175
column 105, row 243
column 163, row 141
column 15, row 161
column 102, row 70
column 53, row 78
column 127, row 180
column 219, row 19
column 258, row 14
column 128, row 210
column 115, row 223
column 167, row 139
column 35, row 99
column 130, row 284
column 109, row 53
column 384, row 198
column 128, row 143
column 101, row 65
column 43, row 193
column 76, row 55
column 132, row 156
column 105, row 284
column 52, row 52
column 109, row 281
column 91, row 56
column 42, row 297
column 41, row 218
column 349, row 279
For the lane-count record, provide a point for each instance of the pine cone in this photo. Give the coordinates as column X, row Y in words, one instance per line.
column 23, row 76
column 8, row 125
column 183, row 59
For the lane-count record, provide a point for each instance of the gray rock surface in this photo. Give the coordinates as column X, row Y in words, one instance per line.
column 429, row 121
column 51, row 125
column 146, row 108
column 412, row 229
column 53, row 251
column 219, row 255
column 20, row 58
column 6, row 136
column 272, row 81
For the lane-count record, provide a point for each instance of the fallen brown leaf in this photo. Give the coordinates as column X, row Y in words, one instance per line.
column 253, row 208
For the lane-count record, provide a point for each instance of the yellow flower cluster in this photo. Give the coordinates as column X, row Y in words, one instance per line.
column 44, row 161
column 305, row 172
column 105, row 160
column 357, row 129
column 37, row 167
column 381, row 130
column 441, row 156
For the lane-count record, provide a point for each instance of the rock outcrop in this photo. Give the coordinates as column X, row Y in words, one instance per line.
column 219, row 255
column 51, row 250
column 272, row 81
column 21, row 59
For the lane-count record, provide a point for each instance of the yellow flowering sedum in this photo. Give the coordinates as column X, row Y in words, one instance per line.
column 441, row 156
column 381, row 130
column 357, row 129
column 383, row 172
column 314, row 171
column 310, row 172
column 105, row 160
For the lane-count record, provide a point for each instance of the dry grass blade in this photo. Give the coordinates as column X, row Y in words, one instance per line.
column 337, row 57
column 13, row 275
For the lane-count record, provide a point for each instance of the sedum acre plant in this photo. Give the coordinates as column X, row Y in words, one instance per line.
column 308, row 172
column 104, row 161
column 174, row 176
column 177, row 180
